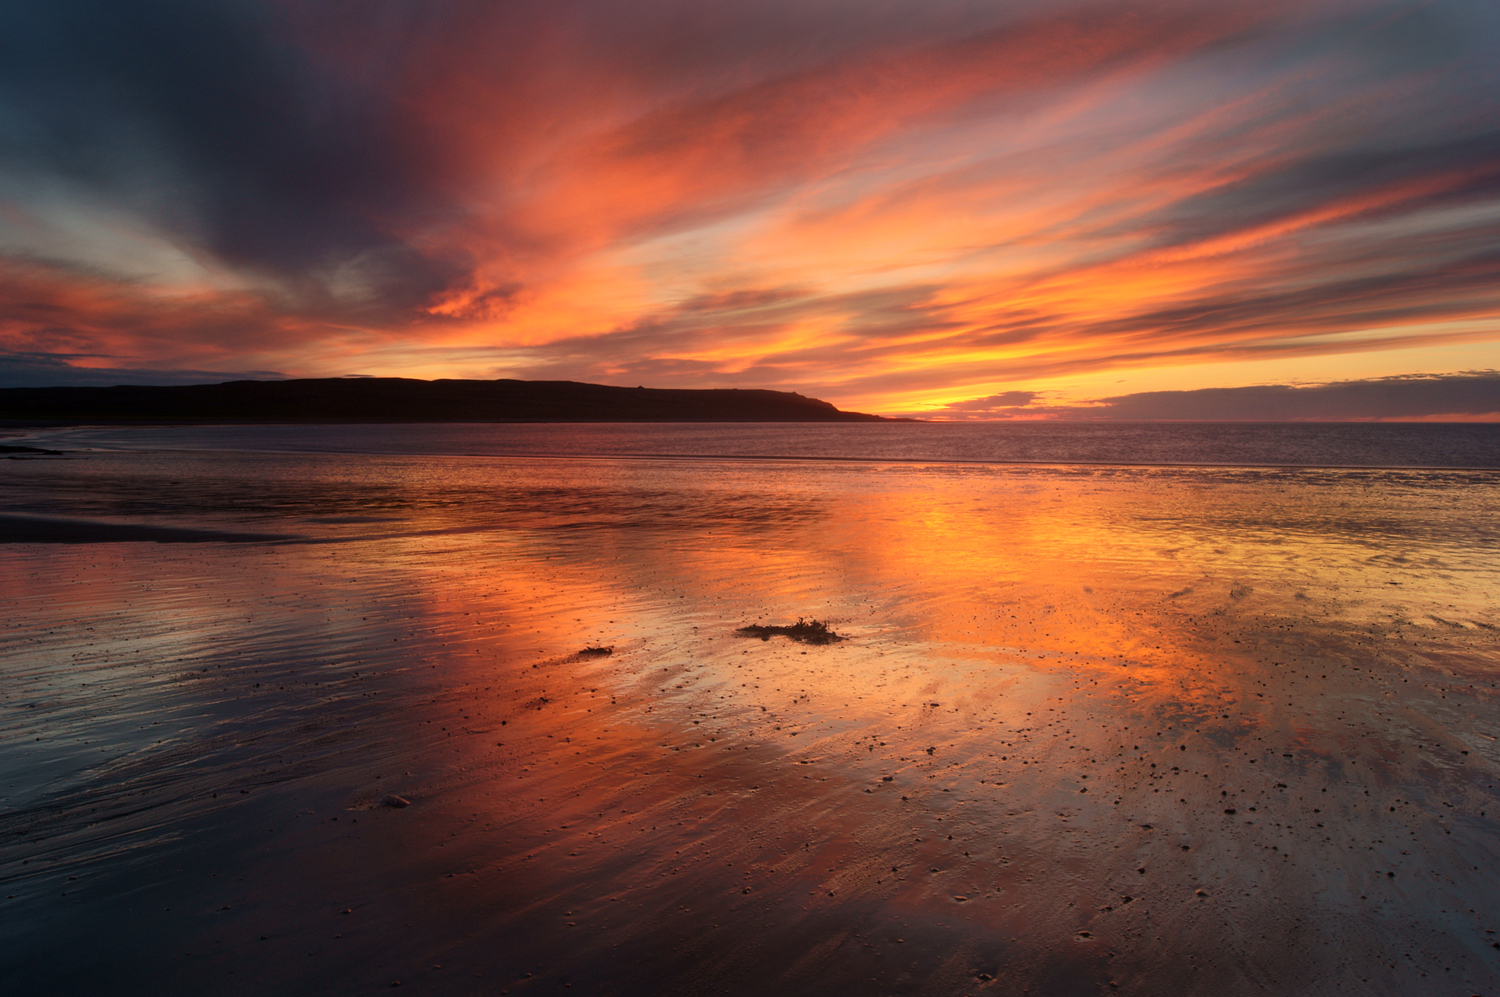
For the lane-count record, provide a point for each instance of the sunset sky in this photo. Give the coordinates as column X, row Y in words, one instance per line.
column 926, row 207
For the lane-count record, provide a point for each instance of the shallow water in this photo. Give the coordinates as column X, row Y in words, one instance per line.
column 1093, row 730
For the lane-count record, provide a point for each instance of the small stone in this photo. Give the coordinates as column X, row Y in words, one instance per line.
column 395, row 801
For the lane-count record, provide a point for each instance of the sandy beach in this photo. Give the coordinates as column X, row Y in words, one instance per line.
column 1091, row 730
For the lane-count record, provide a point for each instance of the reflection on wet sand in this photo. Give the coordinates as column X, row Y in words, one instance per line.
column 1092, row 731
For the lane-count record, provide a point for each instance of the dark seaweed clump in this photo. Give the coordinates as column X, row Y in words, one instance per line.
column 806, row 631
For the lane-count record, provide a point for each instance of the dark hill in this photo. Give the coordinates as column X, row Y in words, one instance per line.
column 400, row 399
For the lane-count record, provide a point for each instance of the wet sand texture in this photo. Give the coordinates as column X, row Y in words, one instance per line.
column 44, row 530
column 1135, row 732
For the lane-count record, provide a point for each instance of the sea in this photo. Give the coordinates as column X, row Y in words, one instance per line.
column 1106, row 708
column 1438, row 445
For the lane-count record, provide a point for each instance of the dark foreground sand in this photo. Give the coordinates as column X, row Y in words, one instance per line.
column 1103, row 732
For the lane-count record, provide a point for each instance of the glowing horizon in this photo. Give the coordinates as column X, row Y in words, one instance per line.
column 903, row 210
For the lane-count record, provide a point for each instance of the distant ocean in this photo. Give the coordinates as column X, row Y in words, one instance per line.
column 1424, row 445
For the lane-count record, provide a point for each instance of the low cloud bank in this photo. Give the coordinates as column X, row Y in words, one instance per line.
column 1472, row 395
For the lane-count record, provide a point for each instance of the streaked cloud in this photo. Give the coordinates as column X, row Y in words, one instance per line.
column 895, row 207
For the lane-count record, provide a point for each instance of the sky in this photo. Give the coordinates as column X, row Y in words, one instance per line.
column 936, row 208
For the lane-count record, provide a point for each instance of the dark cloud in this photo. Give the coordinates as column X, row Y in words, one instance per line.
column 1411, row 171
column 203, row 117
column 1449, row 288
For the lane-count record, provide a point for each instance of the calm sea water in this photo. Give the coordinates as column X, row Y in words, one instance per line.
column 1220, row 444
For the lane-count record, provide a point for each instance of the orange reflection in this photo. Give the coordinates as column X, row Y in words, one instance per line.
column 1061, row 688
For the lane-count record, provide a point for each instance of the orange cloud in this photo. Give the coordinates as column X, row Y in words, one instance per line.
column 887, row 208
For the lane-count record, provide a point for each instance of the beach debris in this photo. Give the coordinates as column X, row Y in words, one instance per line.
column 804, row 631
column 596, row 652
column 395, row 801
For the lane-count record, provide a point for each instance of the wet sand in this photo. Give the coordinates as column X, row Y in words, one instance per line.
column 47, row 530
column 1092, row 731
